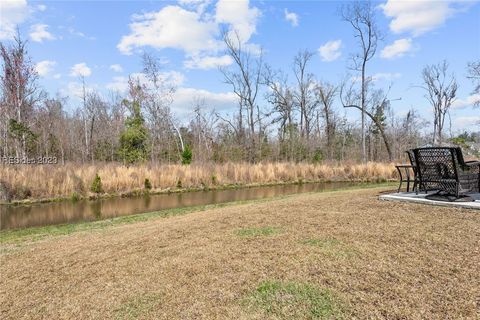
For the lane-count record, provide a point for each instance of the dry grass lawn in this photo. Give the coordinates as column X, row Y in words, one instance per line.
column 325, row 255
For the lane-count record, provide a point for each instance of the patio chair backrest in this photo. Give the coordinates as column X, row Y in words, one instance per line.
column 444, row 169
column 436, row 164
column 411, row 157
column 460, row 160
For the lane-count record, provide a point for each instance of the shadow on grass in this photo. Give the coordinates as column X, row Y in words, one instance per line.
column 292, row 300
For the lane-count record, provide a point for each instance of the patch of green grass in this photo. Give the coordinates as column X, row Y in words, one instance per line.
column 256, row 232
column 323, row 243
column 331, row 247
column 138, row 306
column 292, row 300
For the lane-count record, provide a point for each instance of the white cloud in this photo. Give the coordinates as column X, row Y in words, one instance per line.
column 41, row 7
column 80, row 34
column 184, row 97
column 116, row 68
column 12, row 13
column 80, row 70
column 418, row 17
column 173, row 78
column 397, row 49
column 194, row 30
column 171, row 27
column 467, row 102
column 385, row 76
column 44, row 67
column 291, row 17
column 330, row 51
column 207, row 62
column 239, row 15
column 74, row 90
column 465, row 121
column 120, row 83
column 57, row 76
column 38, row 33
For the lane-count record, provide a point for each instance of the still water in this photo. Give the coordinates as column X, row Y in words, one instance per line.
column 43, row 214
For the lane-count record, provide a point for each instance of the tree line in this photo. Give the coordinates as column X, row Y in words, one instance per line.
column 275, row 118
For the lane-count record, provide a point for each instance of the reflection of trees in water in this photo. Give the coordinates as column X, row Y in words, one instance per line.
column 41, row 214
column 147, row 200
column 96, row 208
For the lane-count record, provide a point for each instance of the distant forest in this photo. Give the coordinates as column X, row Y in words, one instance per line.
column 275, row 119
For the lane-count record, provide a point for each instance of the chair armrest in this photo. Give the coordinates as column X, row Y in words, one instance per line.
column 471, row 165
column 472, row 162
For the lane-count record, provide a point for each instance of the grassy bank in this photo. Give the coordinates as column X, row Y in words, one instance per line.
column 312, row 256
column 75, row 180
column 37, row 233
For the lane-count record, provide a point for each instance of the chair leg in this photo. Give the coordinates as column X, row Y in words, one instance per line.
column 407, row 175
column 401, row 179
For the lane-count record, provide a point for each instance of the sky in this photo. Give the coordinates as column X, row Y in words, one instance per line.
column 103, row 42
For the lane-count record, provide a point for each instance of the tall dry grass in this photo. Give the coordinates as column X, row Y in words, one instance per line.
column 48, row 181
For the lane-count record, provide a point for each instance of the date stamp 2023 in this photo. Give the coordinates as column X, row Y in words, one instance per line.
column 26, row 160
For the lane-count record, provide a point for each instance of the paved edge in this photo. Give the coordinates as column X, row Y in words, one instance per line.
column 463, row 205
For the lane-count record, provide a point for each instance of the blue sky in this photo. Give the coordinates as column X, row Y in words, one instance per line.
column 103, row 40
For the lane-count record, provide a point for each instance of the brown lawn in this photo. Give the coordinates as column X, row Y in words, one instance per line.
column 325, row 255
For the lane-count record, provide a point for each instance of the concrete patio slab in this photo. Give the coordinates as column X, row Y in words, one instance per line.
column 420, row 198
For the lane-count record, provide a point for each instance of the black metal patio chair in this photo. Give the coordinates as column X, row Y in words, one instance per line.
column 444, row 169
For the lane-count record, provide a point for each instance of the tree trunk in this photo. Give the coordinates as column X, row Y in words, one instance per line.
column 364, row 152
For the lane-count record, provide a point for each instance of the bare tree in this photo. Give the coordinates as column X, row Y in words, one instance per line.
column 304, row 93
column 280, row 96
column 245, row 80
column 94, row 106
column 375, row 102
column 52, row 124
column 88, row 121
column 441, row 90
column 201, row 127
column 19, row 95
column 117, row 122
column 326, row 93
column 474, row 75
column 158, row 93
column 361, row 16
column 405, row 132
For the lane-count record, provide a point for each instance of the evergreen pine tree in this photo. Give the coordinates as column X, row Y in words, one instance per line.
column 133, row 140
